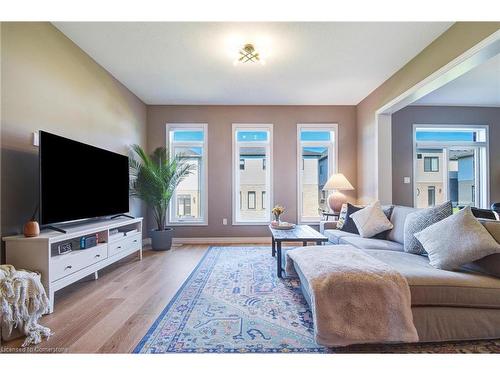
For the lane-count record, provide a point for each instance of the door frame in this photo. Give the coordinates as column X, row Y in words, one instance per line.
column 473, row 57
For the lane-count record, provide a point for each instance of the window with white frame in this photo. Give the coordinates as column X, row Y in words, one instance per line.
column 450, row 163
column 189, row 202
column 316, row 162
column 252, row 173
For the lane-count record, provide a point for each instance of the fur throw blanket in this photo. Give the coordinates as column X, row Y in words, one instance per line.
column 355, row 298
column 22, row 302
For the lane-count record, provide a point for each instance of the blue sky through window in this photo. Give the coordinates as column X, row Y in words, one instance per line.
column 444, row 136
column 188, row 135
column 306, row 135
column 251, row 136
column 314, row 152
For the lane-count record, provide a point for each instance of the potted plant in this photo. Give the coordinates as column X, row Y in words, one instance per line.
column 154, row 179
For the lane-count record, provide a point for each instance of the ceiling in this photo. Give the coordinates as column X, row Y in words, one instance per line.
column 306, row 63
column 478, row 87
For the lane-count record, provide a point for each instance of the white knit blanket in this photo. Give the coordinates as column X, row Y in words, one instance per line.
column 22, row 302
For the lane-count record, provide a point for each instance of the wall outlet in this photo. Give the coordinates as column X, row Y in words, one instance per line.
column 224, row 221
column 406, row 180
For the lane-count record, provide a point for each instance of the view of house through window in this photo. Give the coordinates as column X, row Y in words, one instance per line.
column 252, row 176
column 187, row 141
column 451, row 164
column 316, row 144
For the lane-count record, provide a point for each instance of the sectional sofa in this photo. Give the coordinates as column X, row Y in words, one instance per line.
column 446, row 305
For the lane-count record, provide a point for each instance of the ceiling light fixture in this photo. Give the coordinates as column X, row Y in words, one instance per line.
column 248, row 54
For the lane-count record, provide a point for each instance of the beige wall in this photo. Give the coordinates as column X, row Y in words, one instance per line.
column 285, row 119
column 49, row 83
column 452, row 43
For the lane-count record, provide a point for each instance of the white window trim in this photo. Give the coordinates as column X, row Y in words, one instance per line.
column 236, row 169
column 204, row 177
column 332, row 165
column 485, row 190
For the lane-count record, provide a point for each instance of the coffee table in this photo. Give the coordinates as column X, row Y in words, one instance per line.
column 301, row 233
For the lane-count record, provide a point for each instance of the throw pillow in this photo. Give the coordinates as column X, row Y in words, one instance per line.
column 457, row 240
column 349, row 225
column 418, row 221
column 342, row 215
column 371, row 220
column 388, row 213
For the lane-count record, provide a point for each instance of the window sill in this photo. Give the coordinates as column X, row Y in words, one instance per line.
column 309, row 222
column 261, row 223
column 187, row 224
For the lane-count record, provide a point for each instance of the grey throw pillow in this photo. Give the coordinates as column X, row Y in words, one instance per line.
column 418, row 221
column 457, row 240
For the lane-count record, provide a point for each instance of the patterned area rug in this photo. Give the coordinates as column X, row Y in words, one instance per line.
column 234, row 303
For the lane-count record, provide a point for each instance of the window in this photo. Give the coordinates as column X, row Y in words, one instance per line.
column 316, row 162
column 252, row 147
column 431, row 164
column 189, row 201
column 431, row 196
column 183, row 205
column 451, row 163
column 251, row 200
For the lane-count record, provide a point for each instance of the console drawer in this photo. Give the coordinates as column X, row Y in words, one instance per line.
column 64, row 265
column 128, row 244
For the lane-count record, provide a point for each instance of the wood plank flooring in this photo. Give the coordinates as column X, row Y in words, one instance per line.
column 113, row 313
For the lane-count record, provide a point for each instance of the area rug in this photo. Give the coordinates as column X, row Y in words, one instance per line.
column 234, row 303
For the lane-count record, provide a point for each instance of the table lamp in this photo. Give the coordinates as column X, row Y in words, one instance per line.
column 336, row 199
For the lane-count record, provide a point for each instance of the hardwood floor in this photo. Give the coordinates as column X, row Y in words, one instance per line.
column 113, row 313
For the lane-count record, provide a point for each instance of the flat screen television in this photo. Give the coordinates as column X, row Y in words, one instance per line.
column 79, row 181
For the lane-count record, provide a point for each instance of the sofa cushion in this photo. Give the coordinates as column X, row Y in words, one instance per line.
column 371, row 220
column 418, row 221
column 349, row 225
column 342, row 216
column 388, row 212
column 398, row 218
column 430, row 286
column 371, row 243
column 335, row 234
column 457, row 240
column 489, row 265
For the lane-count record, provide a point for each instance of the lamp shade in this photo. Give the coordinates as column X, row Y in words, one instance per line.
column 338, row 181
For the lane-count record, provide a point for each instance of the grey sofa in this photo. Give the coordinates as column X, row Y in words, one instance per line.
column 447, row 306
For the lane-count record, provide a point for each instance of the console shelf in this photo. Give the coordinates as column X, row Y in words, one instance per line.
column 57, row 271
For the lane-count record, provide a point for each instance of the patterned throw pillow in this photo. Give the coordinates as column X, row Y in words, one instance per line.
column 349, row 225
column 418, row 221
column 342, row 215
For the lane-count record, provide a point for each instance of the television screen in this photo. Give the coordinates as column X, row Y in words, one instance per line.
column 79, row 181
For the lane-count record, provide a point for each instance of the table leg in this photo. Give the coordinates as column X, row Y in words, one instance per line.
column 273, row 246
column 278, row 260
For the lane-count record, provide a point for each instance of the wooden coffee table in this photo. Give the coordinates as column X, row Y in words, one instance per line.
column 301, row 233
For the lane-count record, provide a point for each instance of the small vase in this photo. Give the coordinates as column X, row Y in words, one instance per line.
column 31, row 229
column 277, row 218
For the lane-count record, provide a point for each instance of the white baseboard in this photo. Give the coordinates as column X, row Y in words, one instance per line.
column 215, row 240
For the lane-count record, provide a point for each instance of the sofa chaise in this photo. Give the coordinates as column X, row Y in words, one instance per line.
column 446, row 305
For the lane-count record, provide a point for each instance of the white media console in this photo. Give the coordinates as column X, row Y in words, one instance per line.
column 41, row 254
